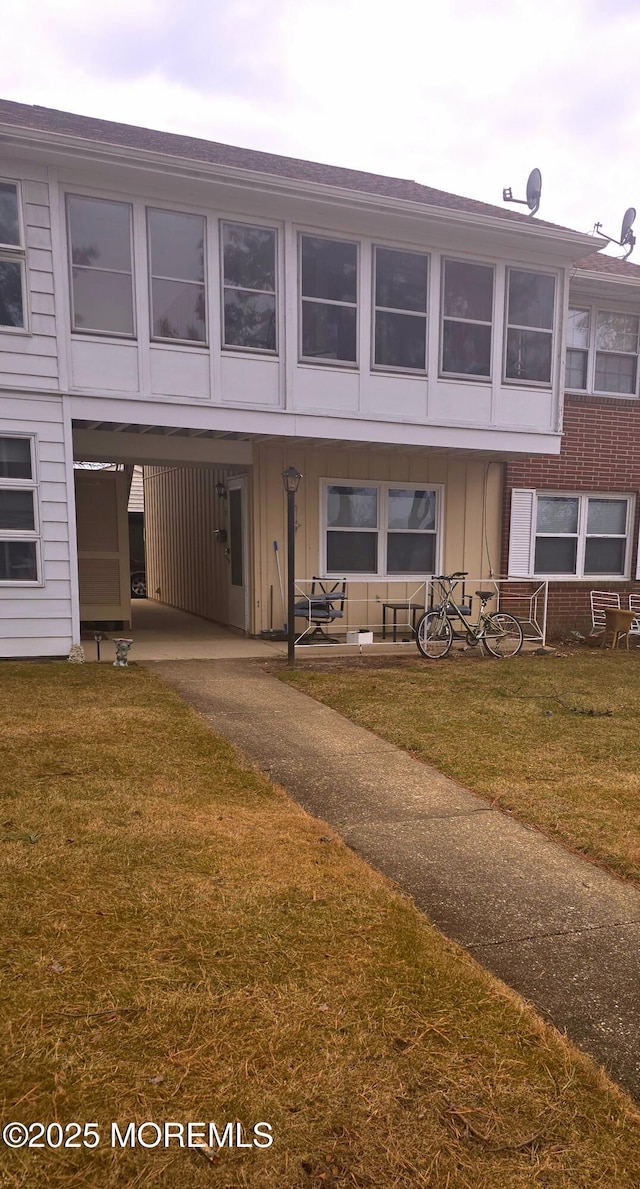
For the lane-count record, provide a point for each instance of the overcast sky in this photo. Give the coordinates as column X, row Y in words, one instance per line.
column 465, row 95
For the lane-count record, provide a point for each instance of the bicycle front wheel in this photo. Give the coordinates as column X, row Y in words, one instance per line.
column 434, row 635
column 503, row 636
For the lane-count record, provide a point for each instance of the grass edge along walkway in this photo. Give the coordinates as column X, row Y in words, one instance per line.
column 185, row 943
column 553, row 740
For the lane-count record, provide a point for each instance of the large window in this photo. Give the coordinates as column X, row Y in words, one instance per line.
column 530, row 315
column 176, row 268
column 606, row 361
column 18, row 512
column 329, row 295
column 400, row 333
column 582, row 535
column 249, row 283
column 467, row 314
column 12, row 259
column 381, row 529
column 101, row 271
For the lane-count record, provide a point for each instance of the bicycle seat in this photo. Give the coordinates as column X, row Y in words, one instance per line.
column 486, row 594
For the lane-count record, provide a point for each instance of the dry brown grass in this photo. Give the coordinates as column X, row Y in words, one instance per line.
column 185, row 944
column 507, row 730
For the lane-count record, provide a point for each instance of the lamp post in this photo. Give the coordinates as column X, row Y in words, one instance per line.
column 291, row 481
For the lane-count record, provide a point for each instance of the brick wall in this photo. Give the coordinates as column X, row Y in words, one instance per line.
column 600, row 452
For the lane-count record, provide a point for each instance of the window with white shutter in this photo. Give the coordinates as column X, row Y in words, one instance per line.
column 565, row 535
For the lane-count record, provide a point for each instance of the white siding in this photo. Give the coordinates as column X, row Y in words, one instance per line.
column 37, row 621
column 30, row 360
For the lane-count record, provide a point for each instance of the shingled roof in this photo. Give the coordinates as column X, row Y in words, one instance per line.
column 610, row 264
column 45, row 119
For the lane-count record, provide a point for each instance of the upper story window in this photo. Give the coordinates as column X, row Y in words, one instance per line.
column 12, row 259
column 249, row 284
column 176, row 269
column 400, row 332
column 101, row 267
column 18, row 511
column 606, row 361
column 467, row 316
column 530, row 315
column 380, row 529
column 329, row 295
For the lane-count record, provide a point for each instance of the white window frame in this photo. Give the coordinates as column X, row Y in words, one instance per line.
column 313, row 360
column 593, row 309
column 29, row 535
column 465, row 376
column 515, row 381
column 233, row 347
column 382, row 487
column 151, row 277
column 375, row 308
column 91, row 332
column 17, row 254
column 583, row 498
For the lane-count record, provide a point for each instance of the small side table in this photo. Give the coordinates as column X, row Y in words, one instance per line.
column 394, row 608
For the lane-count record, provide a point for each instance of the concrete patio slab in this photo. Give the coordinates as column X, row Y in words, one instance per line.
column 163, row 633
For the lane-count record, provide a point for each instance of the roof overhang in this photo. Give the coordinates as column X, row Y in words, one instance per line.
column 567, row 246
column 606, row 284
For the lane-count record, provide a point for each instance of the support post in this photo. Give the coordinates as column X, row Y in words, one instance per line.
column 291, row 577
column 291, row 479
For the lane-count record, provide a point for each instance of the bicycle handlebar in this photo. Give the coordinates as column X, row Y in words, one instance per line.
column 450, row 577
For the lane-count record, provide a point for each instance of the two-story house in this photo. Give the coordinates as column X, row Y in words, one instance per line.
column 572, row 518
column 216, row 315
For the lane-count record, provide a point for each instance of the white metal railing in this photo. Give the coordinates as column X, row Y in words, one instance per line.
column 386, row 612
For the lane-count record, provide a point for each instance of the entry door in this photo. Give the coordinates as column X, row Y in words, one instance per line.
column 238, row 553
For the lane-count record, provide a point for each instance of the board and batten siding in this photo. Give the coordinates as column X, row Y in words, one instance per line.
column 472, row 495
column 186, row 565
column 30, row 360
column 38, row 620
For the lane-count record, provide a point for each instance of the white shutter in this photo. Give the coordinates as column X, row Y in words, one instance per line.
column 521, row 532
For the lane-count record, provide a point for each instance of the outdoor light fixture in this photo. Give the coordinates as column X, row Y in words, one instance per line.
column 221, row 491
column 291, row 481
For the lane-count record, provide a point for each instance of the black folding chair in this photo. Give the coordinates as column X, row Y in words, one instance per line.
column 324, row 605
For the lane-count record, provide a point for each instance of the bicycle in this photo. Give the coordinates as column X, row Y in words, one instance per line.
column 500, row 632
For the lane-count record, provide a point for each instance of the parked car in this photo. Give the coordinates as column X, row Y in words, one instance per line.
column 138, row 584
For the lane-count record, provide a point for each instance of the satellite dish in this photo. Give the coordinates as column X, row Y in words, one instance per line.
column 627, row 238
column 626, row 234
column 534, row 189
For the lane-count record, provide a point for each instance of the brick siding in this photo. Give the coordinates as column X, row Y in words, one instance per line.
column 600, row 452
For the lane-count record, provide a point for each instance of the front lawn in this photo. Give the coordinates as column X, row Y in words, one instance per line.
column 554, row 739
column 183, row 944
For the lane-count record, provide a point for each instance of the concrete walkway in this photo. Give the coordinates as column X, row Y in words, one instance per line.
column 555, row 928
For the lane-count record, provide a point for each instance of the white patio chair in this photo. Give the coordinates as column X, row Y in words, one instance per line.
column 602, row 600
column 634, row 605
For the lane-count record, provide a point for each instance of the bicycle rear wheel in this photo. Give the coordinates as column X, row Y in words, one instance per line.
column 503, row 635
column 434, row 635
